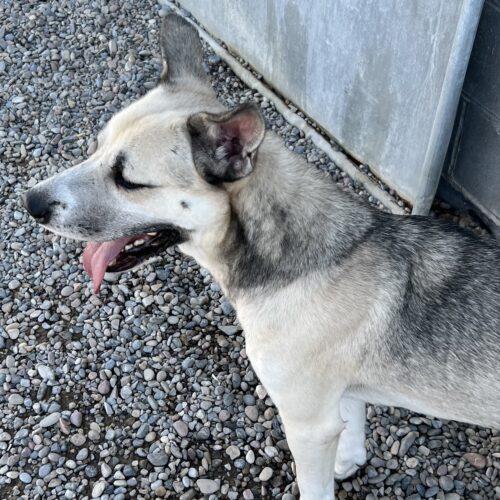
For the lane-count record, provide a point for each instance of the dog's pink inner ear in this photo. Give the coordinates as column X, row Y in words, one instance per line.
column 224, row 145
column 242, row 132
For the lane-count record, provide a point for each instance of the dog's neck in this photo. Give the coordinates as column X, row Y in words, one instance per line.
column 287, row 219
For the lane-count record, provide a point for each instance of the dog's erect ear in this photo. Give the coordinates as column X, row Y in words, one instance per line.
column 225, row 145
column 181, row 50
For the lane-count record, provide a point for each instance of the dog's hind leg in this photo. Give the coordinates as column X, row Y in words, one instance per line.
column 351, row 451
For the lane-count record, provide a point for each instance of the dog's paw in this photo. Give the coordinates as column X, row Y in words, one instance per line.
column 343, row 470
column 351, row 455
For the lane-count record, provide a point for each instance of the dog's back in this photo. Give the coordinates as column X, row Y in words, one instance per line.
column 443, row 330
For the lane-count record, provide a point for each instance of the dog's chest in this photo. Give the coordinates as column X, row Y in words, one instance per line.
column 290, row 345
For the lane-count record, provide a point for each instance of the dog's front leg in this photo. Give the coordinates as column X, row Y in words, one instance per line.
column 309, row 407
column 313, row 441
column 307, row 393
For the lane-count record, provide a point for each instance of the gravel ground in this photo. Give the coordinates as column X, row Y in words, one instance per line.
column 146, row 391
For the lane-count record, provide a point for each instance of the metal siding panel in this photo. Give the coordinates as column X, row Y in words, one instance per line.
column 473, row 164
column 483, row 73
column 476, row 170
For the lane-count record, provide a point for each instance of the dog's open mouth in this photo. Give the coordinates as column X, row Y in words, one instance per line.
column 124, row 254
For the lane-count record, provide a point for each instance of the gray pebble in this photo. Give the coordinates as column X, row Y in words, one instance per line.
column 46, row 372
column 14, row 284
column 67, row 291
column 125, row 392
column 233, row 452
column 44, row 470
column 446, row 483
column 78, row 439
column 90, row 471
column 181, row 428
column 207, row 486
column 266, row 474
column 98, row 488
column 112, row 47
column 50, row 420
column 16, row 399
column 76, row 418
column 158, row 458
column 250, row 457
column 25, row 477
column 105, row 470
column 252, row 413
column 247, row 494
column 407, row 442
column 104, row 387
column 129, row 471
column 82, row 455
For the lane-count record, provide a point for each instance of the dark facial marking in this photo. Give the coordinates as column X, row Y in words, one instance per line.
column 120, row 180
column 184, row 204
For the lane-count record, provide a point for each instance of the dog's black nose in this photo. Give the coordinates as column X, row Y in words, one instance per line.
column 38, row 206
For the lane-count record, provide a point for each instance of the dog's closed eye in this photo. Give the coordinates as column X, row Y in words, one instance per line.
column 120, row 180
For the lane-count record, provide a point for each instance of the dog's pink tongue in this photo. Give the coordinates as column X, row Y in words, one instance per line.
column 97, row 256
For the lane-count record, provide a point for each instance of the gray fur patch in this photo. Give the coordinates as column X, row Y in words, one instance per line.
column 283, row 228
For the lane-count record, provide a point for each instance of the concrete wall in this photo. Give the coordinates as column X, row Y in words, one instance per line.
column 382, row 77
column 473, row 167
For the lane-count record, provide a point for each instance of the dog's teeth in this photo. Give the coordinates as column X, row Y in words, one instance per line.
column 128, row 247
column 138, row 243
column 152, row 234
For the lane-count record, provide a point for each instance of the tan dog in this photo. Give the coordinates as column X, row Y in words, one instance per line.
column 341, row 304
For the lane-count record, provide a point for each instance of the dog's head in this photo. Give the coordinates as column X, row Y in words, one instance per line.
column 157, row 177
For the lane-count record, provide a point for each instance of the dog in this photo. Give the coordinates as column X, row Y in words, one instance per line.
column 341, row 304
